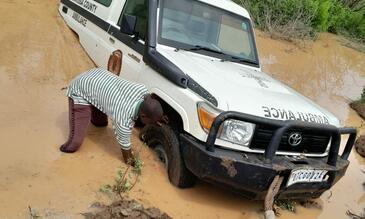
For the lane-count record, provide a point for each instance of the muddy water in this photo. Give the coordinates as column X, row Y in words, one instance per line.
column 39, row 55
column 331, row 75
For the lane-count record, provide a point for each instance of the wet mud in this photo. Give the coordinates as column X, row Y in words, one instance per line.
column 39, row 55
column 124, row 209
column 359, row 108
column 360, row 145
column 228, row 164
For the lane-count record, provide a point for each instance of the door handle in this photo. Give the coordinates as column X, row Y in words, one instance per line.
column 111, row 40
column 135, row 58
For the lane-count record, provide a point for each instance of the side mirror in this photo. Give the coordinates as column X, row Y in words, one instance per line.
column 128, row 25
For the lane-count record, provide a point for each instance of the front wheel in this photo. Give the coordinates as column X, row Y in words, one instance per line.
column 167, row 147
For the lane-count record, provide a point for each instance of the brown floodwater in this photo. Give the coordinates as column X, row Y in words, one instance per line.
column 39, row 55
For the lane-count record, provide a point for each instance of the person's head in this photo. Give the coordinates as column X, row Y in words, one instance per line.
column 151, row 111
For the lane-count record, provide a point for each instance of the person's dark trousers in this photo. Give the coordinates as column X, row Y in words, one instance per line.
column 79, row 119
column 98, row 118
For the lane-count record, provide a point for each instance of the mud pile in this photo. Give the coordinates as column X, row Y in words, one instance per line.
column 359, row 107
column 130, row 209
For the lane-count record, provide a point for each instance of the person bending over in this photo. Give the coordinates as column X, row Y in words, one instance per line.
column 98, row 94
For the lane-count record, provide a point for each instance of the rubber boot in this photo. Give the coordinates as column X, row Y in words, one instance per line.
column 79, row 119
column 98, row 118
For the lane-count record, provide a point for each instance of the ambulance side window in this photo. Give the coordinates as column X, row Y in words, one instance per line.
column 138, row 8
column 104, row 2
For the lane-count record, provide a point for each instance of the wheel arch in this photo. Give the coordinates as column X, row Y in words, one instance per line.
column 172, row 109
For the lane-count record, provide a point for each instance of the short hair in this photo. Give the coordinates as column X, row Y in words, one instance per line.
column 152, row 108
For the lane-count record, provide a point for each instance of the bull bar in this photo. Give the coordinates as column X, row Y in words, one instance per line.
column 283, row 126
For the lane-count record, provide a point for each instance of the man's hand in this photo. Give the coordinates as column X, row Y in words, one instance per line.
column 128, row 157
column 163, row 121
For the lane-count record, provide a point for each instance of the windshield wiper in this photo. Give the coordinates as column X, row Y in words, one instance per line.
column 231, row 58
column 238, row 59
column 197, row 47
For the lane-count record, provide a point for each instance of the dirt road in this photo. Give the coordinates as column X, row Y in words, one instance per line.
column 39, row 55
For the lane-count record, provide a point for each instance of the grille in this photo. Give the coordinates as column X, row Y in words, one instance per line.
column 311, row 142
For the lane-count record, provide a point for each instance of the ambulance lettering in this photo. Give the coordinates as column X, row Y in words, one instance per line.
column 87, row 5
column 282, row 114
column 79, row 19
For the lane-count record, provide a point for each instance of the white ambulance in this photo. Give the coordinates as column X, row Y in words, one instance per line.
column 229, row 123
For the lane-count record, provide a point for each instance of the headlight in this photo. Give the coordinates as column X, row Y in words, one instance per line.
column 234, row 131
column 237, row 132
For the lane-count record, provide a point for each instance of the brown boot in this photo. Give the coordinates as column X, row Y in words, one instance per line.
column 98, row 118
column 128, row 157
column 79, row 119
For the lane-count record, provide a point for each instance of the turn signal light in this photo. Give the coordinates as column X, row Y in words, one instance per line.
column 206, row 116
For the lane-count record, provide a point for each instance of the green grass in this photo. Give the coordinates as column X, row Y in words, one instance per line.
column 286, row 204
column 305, row 18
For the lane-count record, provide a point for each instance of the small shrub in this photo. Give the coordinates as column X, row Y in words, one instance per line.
column 33, row 213
column 125, row 180
column 321, row 21
column 303, row 19
column 287, row 19
column 286, row 204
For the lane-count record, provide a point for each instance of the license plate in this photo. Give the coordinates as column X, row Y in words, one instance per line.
column 306, row 176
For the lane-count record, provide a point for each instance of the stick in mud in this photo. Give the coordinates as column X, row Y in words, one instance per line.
column 354, row 216
column 270, row 196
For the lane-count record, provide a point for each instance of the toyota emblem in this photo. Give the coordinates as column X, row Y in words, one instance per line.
column 295, row 139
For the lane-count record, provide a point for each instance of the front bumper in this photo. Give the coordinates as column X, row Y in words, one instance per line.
column 251, row 174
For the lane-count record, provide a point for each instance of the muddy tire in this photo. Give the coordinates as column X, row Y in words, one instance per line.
column 166, row 144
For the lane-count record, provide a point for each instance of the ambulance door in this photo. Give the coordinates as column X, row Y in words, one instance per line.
column 132, row 47
column 92, row 24
column 105, row 10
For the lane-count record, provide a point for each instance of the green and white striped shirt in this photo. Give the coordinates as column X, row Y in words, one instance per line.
column 119, row 99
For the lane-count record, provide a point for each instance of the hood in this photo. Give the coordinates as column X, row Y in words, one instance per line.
column 248, row 90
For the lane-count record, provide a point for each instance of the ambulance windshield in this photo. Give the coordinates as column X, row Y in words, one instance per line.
column 196, row 26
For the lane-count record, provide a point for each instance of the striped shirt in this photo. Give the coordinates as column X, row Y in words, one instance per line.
column 119, row 99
